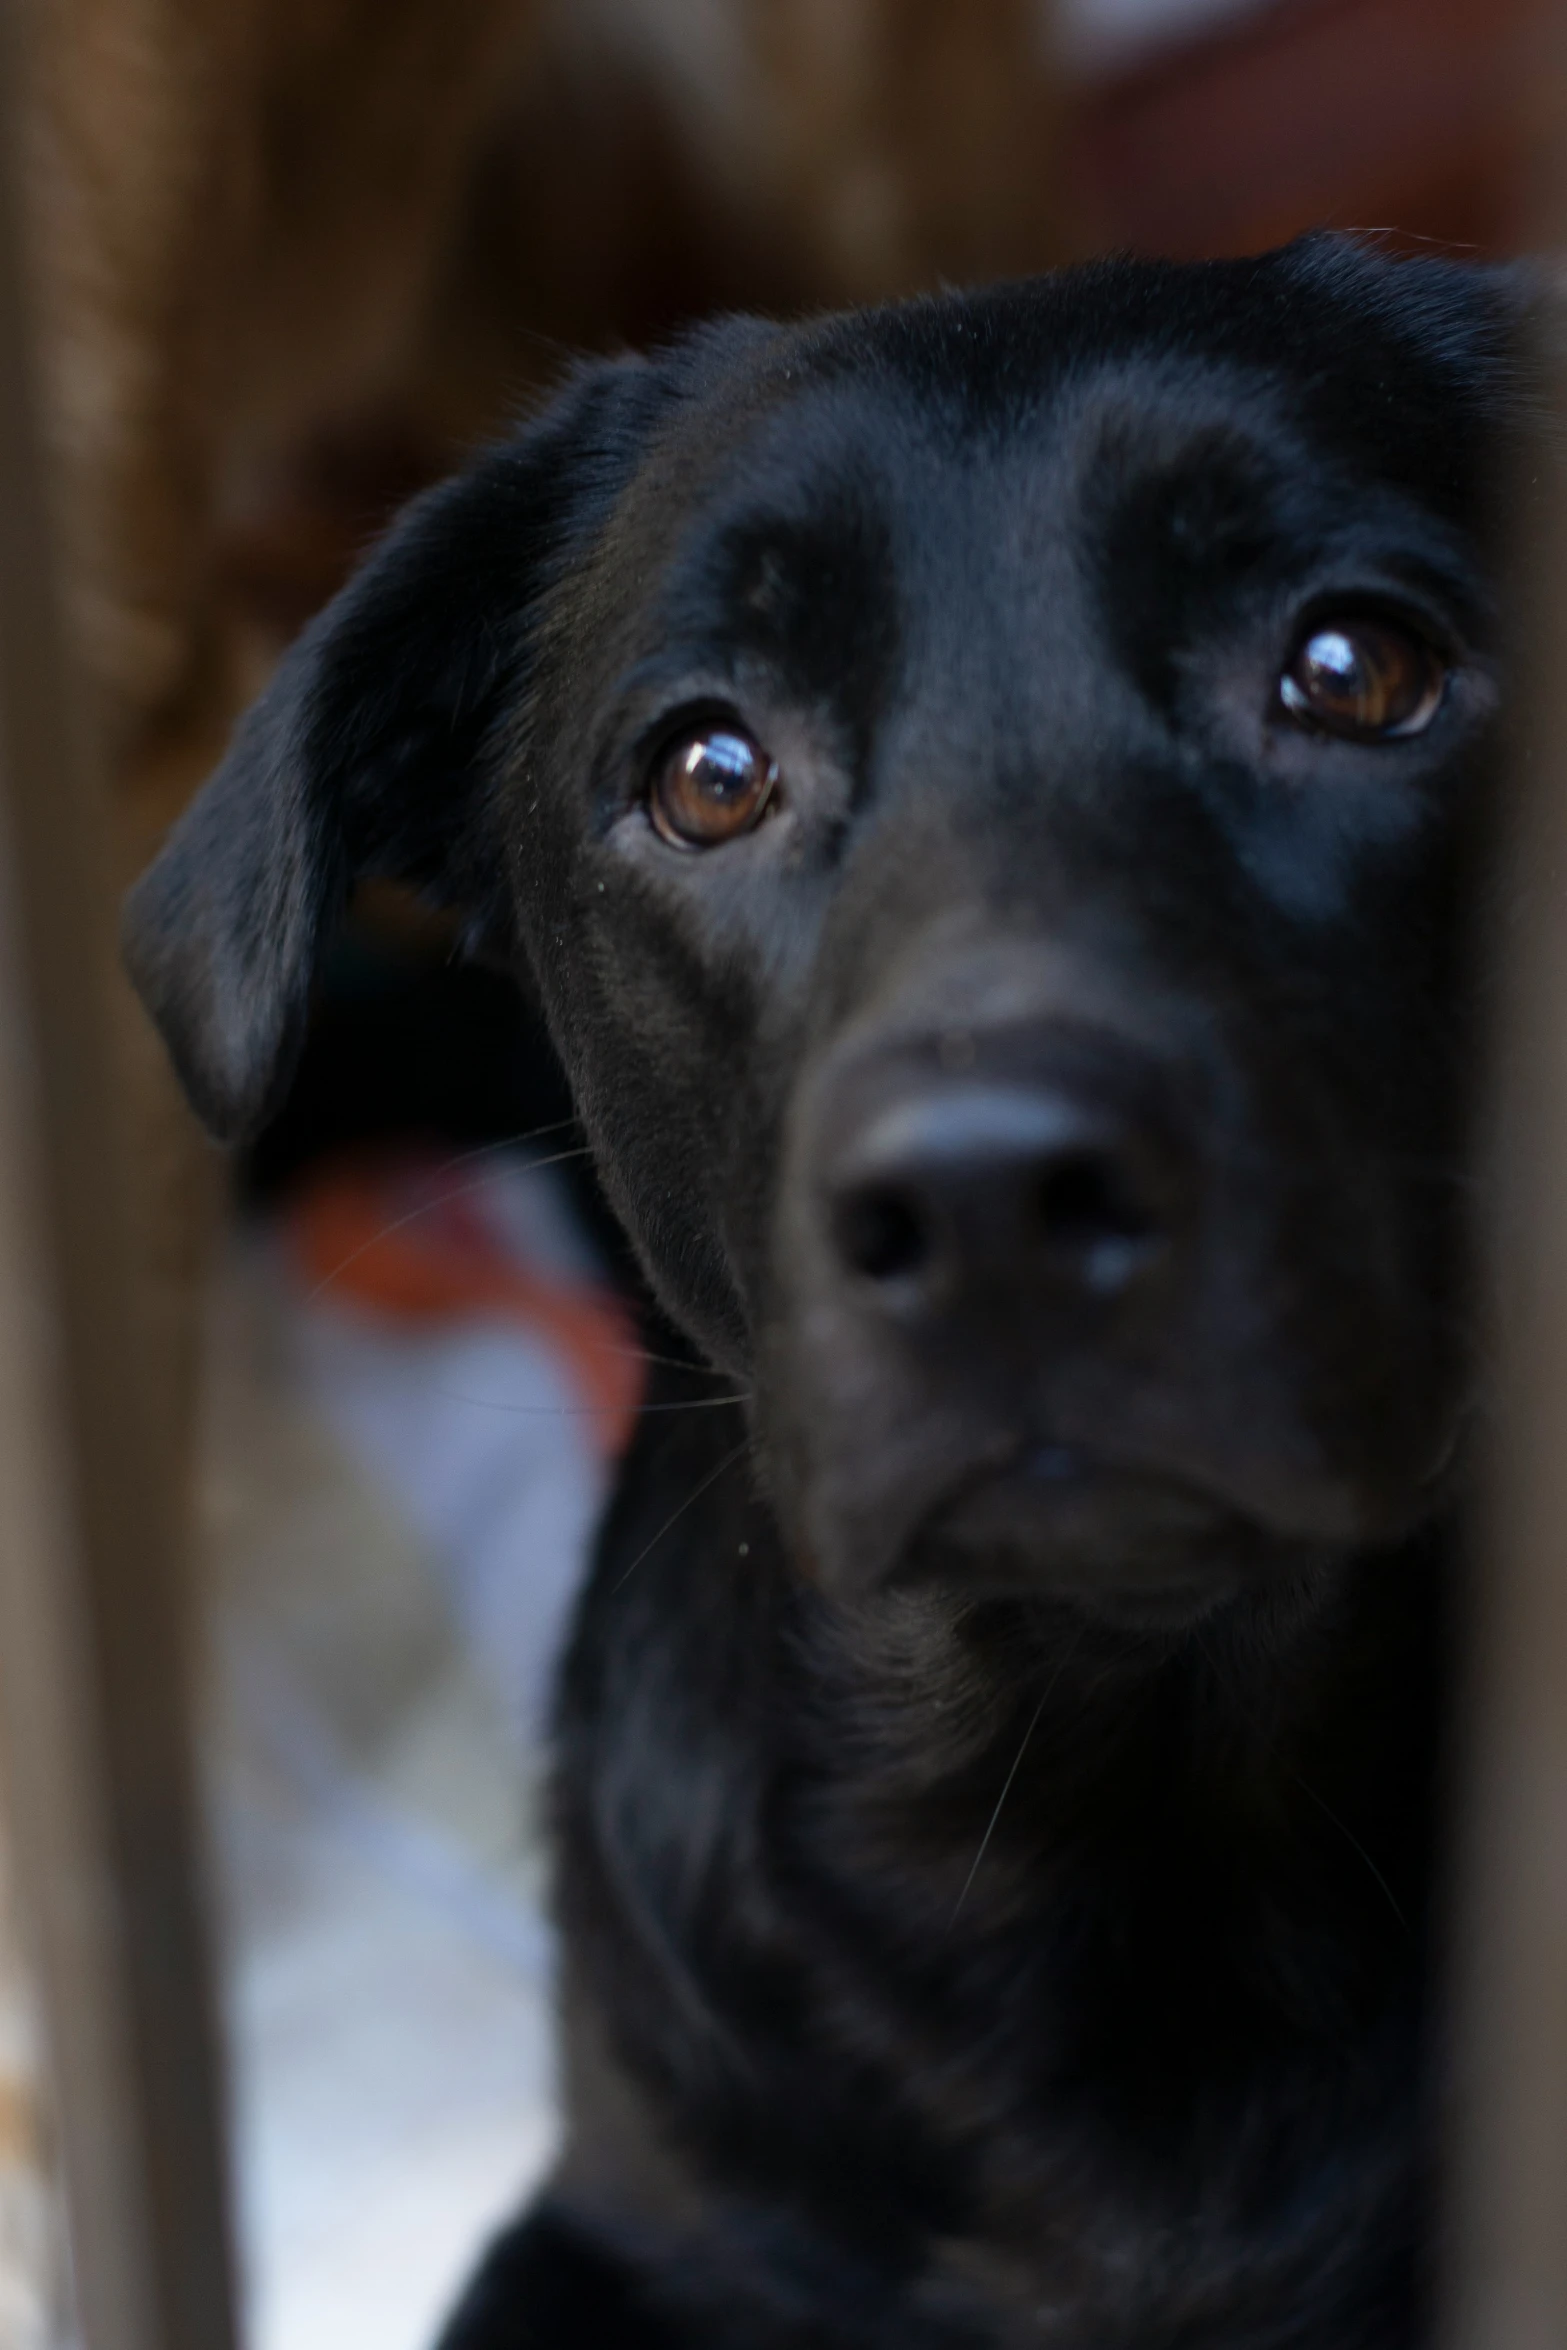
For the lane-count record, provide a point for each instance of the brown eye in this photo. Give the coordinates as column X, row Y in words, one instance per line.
column 1367, row 679
column 710, row 786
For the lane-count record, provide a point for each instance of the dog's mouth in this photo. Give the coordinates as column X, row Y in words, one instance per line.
column 1134, row 1546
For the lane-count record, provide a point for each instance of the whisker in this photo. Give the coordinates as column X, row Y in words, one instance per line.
column 1433, row 1171
column 640, row 1354
column 590, row 1411
column 690, row 1501
column 1354, row 1842
column 509, row 1142
column 1326, row 1809
column 427, row 1207
column 1017, row 1763
column 503, row 1142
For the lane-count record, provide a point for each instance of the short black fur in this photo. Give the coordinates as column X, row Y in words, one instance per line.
column 1001, row 1749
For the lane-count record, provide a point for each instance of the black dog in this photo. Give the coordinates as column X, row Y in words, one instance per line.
column 992, row 794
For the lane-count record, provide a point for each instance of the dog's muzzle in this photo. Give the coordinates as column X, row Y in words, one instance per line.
column 1021, row 1187
column 1026, row 1340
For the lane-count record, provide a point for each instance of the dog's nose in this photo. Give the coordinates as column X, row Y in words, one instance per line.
column 997, row 1183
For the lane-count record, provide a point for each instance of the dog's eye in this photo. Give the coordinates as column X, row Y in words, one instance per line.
column 1368, row 679
column 709, row 786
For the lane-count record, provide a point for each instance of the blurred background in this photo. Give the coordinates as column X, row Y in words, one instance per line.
column 365, row 238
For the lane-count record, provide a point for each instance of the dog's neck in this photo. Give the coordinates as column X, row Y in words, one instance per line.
column 1184, row 1869
column 1285, row 1739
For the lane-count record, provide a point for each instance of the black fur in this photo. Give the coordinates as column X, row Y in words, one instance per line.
column 1000, row 1763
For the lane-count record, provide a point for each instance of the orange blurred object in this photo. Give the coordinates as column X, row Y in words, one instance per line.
column 405, row 1236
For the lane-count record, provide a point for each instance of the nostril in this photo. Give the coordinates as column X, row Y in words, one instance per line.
column 881, row 1234
column 1083, row 1199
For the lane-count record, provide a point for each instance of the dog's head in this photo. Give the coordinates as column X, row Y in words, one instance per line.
column 990, row 794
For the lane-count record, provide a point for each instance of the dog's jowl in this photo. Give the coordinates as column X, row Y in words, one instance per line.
column 993, row 797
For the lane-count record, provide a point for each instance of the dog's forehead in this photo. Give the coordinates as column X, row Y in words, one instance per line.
column 863, row 535
column 956, row 451
column 962, row 529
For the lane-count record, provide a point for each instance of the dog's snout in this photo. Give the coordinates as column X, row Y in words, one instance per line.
column 941, row 1188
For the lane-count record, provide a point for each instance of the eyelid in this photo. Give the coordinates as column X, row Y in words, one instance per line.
column 708, row 713
column 1394, row 604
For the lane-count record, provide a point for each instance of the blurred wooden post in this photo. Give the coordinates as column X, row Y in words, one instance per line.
column 1505, row 2254
column 94, row 1722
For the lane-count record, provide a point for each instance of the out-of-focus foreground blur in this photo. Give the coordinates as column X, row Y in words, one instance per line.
column 290, row 258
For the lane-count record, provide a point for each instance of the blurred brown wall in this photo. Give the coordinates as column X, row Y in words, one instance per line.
column 1420, row 117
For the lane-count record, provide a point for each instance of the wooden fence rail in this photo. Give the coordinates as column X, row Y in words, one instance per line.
column 94, row 1723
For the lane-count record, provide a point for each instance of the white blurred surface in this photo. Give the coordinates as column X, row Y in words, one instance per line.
column 1093, row 36
column 396, row 1523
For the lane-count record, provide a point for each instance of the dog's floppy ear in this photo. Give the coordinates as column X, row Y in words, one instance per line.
column 367, row 753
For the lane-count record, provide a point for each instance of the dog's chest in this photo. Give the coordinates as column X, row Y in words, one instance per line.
column 1141, row 2129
